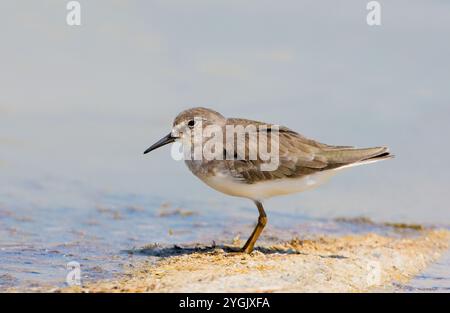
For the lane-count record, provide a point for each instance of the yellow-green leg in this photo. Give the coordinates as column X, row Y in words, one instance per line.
column 262, row 221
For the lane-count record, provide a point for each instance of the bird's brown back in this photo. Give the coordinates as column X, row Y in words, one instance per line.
column 298, row 155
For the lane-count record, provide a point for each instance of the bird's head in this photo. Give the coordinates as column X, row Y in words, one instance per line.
column 187, row 122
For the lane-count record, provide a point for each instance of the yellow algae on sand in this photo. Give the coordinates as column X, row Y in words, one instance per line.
column 354, row 263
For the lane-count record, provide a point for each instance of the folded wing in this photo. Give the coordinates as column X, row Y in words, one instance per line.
column 298, row 156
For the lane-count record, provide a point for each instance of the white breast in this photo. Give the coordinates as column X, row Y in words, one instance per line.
column 266, row 189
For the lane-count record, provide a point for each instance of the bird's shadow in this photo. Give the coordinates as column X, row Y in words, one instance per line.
column 176, row 250
column 163, row 251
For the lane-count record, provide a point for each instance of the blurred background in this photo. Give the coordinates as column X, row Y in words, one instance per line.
column 79, row 105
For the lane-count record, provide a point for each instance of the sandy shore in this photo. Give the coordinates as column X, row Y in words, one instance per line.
column 354, row 263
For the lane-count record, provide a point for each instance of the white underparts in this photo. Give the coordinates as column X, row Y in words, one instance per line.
column 267, row 189
column 270, row 188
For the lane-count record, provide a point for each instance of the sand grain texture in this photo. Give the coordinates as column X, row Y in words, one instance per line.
column 355, row 263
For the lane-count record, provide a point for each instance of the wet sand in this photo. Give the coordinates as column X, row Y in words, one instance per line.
column 353, row 263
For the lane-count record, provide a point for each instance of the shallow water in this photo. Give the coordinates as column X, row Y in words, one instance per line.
column 435, row 279
column 37, row 242
column 78, row 106
column 95, row 197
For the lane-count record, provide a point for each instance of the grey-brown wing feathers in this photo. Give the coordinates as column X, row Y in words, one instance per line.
column 298, row 156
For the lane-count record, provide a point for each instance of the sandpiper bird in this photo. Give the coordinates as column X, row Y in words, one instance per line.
column 302, row 163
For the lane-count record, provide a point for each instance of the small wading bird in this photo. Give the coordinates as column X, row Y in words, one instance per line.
column 302, row 163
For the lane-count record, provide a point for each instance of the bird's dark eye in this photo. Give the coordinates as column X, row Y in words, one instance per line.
column 191, row 123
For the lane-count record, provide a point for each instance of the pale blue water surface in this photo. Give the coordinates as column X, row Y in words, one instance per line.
column 79, row 105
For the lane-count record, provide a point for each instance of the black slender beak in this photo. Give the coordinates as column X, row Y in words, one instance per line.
column 162, row 142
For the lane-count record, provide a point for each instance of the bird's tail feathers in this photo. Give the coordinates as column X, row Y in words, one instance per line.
column 349, row 157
